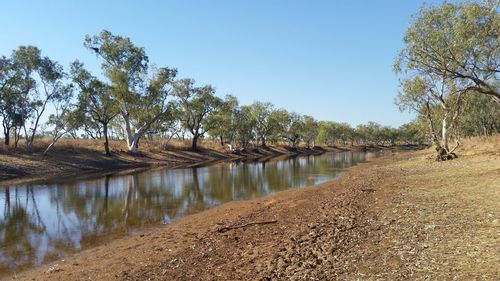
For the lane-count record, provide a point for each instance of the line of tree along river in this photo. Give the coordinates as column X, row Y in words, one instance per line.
column 449, row 76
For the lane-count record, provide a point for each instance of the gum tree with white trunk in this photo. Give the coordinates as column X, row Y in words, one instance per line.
column 140, row 92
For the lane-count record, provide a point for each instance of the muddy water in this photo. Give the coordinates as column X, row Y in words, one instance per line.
column 44, row 222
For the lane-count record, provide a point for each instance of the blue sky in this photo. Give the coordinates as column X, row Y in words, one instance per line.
column 329, row 59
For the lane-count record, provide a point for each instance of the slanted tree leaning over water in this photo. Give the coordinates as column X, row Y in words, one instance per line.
column 451, row 51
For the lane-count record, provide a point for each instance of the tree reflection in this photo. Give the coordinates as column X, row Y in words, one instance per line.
column 21, row 230
column 40, row 223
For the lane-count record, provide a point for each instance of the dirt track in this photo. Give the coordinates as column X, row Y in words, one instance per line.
column 399, row 217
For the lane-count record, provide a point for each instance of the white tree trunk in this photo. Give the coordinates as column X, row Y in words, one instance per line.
column 444, row 134
column 49, row 147
column 133, row 138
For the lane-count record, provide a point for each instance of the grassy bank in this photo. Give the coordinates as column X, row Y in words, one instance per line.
column 402, row 216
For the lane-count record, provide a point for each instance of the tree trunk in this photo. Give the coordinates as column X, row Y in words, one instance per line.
column 29, row 146
column 17, row 136
column 443, row 150
column 132, row 139
column 48, row 148
column 6, row 131
column 194, row 144
column 264, row 142
column 106, row 194
column 132, row 143
column 444, row 134
column 54, row 140
column 221, row 140
column 106, row 141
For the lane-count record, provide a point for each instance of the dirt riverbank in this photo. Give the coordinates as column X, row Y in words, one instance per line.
column 85, row 157
column 400, row 217
column 75, row 158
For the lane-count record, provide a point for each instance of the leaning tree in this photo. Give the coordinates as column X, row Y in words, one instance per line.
column 450, row 51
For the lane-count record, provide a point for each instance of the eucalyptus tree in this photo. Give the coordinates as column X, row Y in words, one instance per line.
column 11, row 115
column 363, row 134
column 293, row 129
column 414, row 132
column 280, row 121
column 387, row 135
column 440, row 102
column 456, row 42
column 244, row 125
column 95, row 101
column 481, row 116
column 9, row 97
column 41, row 80
column 264, row 123
column 328, row 132
column 140, row 92
column 65, row 119
column 224, row 120
column 310, row 130
column 10, row 112
column 196, row 105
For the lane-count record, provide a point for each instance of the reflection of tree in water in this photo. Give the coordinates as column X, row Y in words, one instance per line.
column 193, row 195
column 84, row 213
column 20, row 230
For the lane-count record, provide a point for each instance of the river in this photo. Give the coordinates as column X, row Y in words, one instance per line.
column 40, row 223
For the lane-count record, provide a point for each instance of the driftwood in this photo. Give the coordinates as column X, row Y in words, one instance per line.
column 227, row 228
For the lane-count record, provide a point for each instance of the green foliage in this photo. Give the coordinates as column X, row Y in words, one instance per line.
column 457, row 42
column 140, row 92
column 197, row 104
column 451, row 51
column 263, row 120
column 224, row 121
column 481, row 116
column 310, row 130
column 39, row 80
column 448, row 68
column 244, row 124
column 414, row 132
column 293, row 128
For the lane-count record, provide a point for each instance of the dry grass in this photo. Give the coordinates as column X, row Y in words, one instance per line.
column 68, row 144
column 439, row 220
column 480, row 145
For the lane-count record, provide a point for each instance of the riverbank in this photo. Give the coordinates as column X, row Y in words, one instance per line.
column 402, row 216
column 79, row 157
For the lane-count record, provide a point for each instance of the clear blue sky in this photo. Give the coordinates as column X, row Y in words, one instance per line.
column 329, row 59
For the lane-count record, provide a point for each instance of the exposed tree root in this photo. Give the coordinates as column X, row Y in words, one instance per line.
column 444, row 155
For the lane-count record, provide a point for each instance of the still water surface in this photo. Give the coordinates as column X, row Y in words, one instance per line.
column 44, row 222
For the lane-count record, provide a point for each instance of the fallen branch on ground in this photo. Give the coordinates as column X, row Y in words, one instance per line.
column 227, row 228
